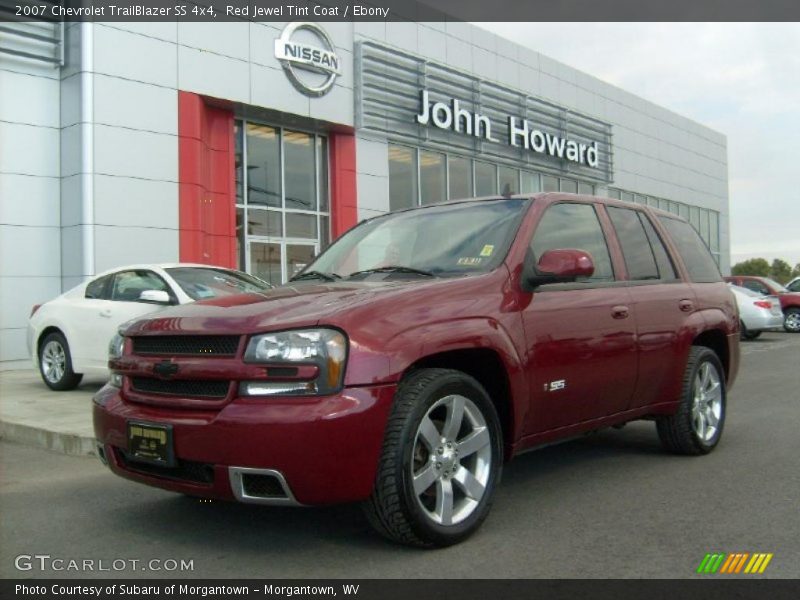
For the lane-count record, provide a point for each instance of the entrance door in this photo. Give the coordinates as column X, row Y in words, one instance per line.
column 282, row 210
column 277, row 262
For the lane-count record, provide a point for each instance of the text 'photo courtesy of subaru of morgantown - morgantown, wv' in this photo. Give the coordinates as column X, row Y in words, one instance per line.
column 420, row 352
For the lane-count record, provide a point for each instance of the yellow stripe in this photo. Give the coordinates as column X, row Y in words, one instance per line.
column 727, row 564
column 765, row 563
column 741, row 562
column 754, row 562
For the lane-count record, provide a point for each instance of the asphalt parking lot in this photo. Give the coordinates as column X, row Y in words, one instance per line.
column 609, row 505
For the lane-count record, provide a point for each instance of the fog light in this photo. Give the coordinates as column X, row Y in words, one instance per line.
column 115, row 380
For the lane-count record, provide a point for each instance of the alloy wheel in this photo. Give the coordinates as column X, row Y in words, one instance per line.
column 452, row 460
column 707, row 404
column 792, row 321
column 54, row 361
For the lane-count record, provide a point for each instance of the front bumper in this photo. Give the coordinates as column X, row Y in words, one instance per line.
column 325, row 449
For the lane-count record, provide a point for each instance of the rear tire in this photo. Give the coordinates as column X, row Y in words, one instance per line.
column 696, row 427
column 791, row 320
column 746, row 334
column 441, row 461
column 55, row 363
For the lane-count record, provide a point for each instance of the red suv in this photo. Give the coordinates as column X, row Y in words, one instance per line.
column 421, row 351
column 790, row 301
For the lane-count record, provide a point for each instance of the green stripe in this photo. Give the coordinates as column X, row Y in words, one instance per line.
column 702, row 566
column 718, row 564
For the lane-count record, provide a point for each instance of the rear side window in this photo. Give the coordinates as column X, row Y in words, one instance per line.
column 639, row 258
column 698, row 260
column 574, row 226
column 97, row 289
column 665, row 267
column 756, row 286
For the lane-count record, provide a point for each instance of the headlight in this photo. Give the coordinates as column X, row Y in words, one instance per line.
column 115, row 349
column 325, row 348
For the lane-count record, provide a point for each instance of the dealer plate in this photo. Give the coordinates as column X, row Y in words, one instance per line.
column 150, row 443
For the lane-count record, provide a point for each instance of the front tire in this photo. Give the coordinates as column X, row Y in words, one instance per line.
column 55, row 363
column 791, row 320
column 696, row 427
column 441, row 461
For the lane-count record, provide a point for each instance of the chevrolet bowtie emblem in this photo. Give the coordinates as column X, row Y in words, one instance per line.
column 165, row 369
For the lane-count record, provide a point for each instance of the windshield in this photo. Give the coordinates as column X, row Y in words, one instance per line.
column 204, row 283
column 445, row 240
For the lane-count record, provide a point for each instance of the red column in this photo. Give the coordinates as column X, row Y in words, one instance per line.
column 344, row 205
column 207, row 202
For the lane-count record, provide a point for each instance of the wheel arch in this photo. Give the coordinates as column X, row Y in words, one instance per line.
column 44, row 333
column 486, row 366
column 717, row 341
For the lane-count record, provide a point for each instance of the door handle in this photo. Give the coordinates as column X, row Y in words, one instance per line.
column 686, row 305
column 106, row 313
column 619, row 312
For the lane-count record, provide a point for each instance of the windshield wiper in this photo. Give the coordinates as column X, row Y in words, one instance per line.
column 394, row 269
column 316, row 275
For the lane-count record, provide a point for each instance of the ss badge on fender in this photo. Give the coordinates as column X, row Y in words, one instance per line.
column 554, row 386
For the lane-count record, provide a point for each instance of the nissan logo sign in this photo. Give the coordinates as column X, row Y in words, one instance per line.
column 316, row 60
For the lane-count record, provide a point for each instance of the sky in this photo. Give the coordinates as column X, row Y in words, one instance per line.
column 741, row 79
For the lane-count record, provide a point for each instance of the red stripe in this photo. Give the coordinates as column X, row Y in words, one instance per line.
column 207, row 211
column 344, row 206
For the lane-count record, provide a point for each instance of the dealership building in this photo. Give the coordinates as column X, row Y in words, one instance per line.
column 253, row 145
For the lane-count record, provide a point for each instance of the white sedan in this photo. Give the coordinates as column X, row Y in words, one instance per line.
column 68, row 337
column 757, row 312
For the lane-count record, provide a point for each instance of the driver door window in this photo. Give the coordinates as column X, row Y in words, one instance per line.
column 569, row 225
column 128, row 285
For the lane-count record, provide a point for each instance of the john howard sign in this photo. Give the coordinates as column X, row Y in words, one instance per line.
column 450, row 115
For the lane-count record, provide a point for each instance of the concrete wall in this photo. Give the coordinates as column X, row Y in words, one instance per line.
column 30, row 268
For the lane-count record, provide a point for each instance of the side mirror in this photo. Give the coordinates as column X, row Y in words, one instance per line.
column 559, row 266
column 155, row 297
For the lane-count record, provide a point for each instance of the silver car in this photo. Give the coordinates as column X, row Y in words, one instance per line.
column 757, row 312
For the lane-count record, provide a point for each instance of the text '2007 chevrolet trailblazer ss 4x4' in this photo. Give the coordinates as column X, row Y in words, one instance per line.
column 421, row 351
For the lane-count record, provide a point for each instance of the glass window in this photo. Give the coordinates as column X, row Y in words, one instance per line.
column 282, row 169
column 683, row 210
column 756, row 286
column 569, row 186
column 432, row 178
column 694, row 217
column 613, row 193
column 485, row 179
column 460, row 174
column 265, row 262
column 509, row 181
column 626, row 196
column 201, row 283
column 445, row 240
column 263, row 165
column 97, row 290
column 298, row 257
column 301, row 225
column 666, row 269
column 322, row 172
column 585, row 188
column 530, row 183
column 549, row 183
column 402, row 177
column 714, row 230
column 639, row 258
column 298, row 164
column 704, row 227
column 128, row 285
column 264, row 223
column 567, row 225
column 699, row 262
